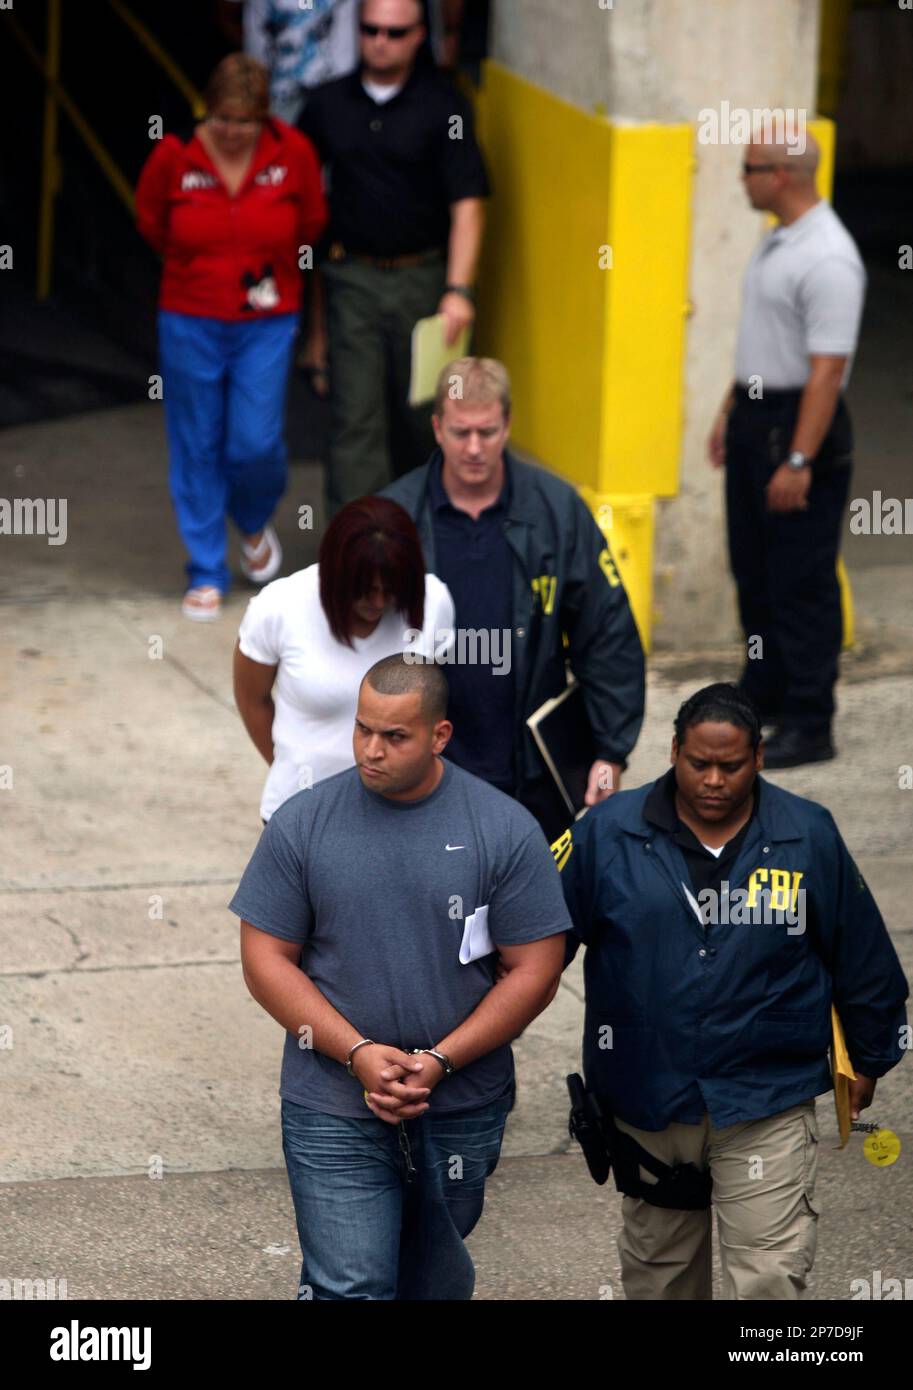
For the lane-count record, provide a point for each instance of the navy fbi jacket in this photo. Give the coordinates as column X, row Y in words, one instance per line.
column 730, row 1017
column 564, row 582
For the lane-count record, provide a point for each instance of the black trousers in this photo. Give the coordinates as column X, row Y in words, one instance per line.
column 785, row 563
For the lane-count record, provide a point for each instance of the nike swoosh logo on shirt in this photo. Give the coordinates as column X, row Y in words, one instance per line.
column 454, row 846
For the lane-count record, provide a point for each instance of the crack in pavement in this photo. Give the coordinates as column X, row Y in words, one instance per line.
column 121, row 887
column 109, row 969
column 82, row 954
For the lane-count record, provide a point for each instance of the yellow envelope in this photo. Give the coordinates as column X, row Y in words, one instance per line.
column 430, row 355
column 843, row 1074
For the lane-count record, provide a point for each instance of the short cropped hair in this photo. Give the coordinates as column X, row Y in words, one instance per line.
column 720, row 703
column 370, row 536
column 395, row 675
column 419, row 8
column 475, row 380
column 240, row 78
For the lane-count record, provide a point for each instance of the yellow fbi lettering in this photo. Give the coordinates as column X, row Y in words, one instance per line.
column 782, row 884
column 561, row 849
column 544, row 587
column 607, row 565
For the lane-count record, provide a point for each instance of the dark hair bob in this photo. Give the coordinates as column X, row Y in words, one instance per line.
column 370, row 536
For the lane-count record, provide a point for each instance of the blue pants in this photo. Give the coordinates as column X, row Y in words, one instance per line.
column 367, row 1229
column 224, row 390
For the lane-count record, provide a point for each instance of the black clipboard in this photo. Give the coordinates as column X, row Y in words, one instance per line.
column 562, row 733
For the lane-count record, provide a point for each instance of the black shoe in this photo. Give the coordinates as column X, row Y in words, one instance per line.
column 790, row 747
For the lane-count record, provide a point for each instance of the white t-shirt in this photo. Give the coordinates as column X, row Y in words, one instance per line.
column 381, row 93
column 316, row 688
column 715, row 850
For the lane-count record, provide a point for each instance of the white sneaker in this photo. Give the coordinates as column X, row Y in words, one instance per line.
column 269, row 567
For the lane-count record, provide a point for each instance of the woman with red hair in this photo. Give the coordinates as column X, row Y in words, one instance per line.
column 306, row 641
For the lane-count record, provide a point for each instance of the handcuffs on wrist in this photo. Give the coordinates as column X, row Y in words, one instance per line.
column 433, row 1052
column 446, row 1065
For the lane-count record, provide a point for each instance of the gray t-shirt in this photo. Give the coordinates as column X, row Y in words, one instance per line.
column 388, row 899
column 803, row 295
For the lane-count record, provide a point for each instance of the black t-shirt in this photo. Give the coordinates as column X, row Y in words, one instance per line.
column 394, row 167
column 705, row 870
column 475, row 561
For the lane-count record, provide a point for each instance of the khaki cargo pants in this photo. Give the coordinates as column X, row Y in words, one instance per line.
column 763, row 1193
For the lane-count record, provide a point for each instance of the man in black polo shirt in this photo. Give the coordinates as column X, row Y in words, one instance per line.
column 528, row 568
column 406, row 184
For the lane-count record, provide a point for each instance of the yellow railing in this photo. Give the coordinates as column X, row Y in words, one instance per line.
column 57, row 98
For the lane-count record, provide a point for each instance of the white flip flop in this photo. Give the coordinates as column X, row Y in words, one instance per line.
column 199, row 607
column 264, row 573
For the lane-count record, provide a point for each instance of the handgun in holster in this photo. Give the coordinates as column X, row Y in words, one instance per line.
column 681, row 1187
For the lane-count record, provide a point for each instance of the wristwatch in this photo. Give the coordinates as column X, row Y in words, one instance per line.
column 440, row 1056
column 796, row 459
column 465, row 290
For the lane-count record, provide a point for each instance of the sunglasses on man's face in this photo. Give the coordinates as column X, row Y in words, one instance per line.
column 390, row 31
column 759, row 168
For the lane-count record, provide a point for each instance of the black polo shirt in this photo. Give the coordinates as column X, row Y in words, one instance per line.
column 475, row 561
column 706, row 870
column 393, row 167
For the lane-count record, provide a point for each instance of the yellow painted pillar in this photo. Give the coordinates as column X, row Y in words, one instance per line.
column 583, row 297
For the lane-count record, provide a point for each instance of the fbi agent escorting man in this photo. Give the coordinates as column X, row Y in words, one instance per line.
column 784, row 436
column 522, row 556
column 406, row 190
column 722, row 915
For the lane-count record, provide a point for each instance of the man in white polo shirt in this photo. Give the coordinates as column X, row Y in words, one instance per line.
column 785, row 439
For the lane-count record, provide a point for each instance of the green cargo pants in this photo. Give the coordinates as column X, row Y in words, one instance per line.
column 375, row 435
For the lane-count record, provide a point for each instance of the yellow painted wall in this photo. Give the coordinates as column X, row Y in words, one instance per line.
column 649, row 230
column 595, row 353
column 582, row 293
column 542, row 297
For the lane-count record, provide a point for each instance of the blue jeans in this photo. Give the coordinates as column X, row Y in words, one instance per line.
column 371, row 1229
column 224, row 387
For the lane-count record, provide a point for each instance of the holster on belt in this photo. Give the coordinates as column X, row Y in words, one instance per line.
column 682, row 1187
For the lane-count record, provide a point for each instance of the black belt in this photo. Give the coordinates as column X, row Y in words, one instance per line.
column 781, row 396
column 338, row 252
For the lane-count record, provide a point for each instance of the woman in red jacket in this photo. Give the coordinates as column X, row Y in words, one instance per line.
column 233, row 212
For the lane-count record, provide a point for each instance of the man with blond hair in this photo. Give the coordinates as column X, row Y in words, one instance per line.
column 785, row 439
column 526, row 563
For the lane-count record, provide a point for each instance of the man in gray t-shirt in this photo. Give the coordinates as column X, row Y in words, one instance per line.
column 374, row 912
column 785, row 439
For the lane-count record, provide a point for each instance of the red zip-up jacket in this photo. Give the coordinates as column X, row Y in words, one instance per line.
column 232, row 257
